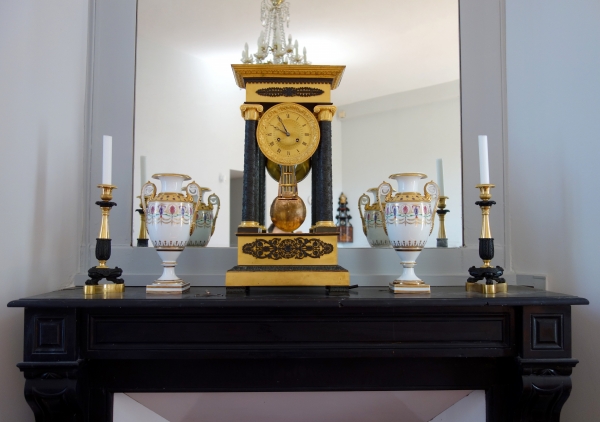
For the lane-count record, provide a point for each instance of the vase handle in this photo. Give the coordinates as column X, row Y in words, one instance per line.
column 385, row 190
column 365, row 201
column 149, row 192
column 213, row 200
column 432, row 194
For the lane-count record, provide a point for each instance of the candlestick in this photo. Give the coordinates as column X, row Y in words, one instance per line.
column 142, row 240
column 103, row 250
column 440, row 175
column 442, row 240
column 494, row 283
column 106, row 160
column 484, row 166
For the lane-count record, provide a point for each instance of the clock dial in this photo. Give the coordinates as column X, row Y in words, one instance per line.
column 288, row 134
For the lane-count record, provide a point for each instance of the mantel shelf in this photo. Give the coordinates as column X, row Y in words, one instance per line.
column 516, row 346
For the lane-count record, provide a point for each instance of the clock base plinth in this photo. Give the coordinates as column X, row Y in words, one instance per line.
column 244, row 276
column 287, row 260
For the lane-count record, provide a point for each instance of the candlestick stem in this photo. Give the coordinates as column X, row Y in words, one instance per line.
column 485, row 204
column 142, row 240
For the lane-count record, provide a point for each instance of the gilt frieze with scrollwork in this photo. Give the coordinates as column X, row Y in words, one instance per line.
column 287, row 248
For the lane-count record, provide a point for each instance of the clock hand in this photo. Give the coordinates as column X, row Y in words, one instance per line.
column 281, row 121
column 279, row 129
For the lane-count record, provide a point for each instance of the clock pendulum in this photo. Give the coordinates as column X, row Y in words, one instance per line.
column 288, row 117
column 288, row 211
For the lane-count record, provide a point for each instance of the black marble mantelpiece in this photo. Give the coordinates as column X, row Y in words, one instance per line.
column 79, row 351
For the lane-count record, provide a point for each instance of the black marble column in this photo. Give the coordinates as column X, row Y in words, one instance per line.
column 250, row 195
column 262, row 186
column 315, row 168
column 322, row 196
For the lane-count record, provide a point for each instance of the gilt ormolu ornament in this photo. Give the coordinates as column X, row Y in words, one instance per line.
column 288, row 113
column 287, row 132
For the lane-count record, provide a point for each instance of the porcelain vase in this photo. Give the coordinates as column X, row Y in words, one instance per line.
column 205, row 218
column 169, row 223
column 409, row 219
column 372, row 219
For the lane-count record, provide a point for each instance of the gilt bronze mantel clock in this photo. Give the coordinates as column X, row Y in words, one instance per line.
column 288, row 114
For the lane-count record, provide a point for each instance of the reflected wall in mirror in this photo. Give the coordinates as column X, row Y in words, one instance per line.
column 398, row 102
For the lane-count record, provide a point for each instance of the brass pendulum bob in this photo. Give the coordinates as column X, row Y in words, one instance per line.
column 288, row 211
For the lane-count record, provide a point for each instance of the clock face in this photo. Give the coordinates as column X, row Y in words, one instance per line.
column 288, row 134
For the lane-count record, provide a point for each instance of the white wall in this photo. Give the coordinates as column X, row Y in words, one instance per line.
column 43, row 47
column 553, row 79
column 401, row 133
column 187, row 113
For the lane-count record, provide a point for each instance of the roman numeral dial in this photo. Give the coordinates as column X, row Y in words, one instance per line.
column 288, row 134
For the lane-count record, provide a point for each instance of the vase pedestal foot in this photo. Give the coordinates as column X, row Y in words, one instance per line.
column 168, row 287
column 399, row 286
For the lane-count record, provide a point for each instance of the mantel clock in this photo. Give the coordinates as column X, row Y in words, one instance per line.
column 288, row 114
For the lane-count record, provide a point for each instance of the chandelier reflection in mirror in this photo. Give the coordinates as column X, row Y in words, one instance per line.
column 272, row 46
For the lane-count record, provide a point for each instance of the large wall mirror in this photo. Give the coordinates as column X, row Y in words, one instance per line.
column 398, row 103
column 188, row 134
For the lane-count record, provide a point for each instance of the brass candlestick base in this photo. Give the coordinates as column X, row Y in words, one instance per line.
column 494, row 283
column 442, row 240
column 103, row 249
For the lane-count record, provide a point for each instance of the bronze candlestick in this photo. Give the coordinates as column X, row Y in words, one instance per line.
column 442, row 240
column 103, row 243
column 142, row 240
column 494, row 283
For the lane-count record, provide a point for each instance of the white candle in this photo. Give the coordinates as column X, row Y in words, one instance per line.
column 245, row 52
column 106, row 160
column 484, row 166
column 143, row 170
column 440, row 175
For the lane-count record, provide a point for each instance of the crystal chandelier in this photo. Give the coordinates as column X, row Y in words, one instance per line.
column 272, row 46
